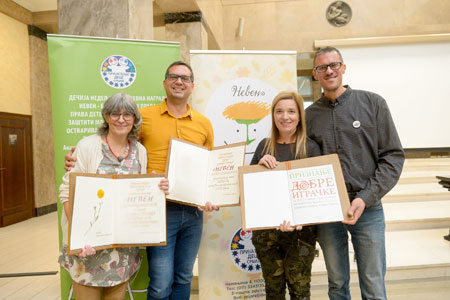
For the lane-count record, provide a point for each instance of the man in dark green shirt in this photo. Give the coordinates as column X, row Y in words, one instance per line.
column 358, row 126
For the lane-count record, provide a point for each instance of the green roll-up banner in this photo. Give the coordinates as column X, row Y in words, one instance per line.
column 84, row 72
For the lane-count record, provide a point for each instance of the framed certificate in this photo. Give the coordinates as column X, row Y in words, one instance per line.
column 108, row 211
column 197, row 175
column 305, row 191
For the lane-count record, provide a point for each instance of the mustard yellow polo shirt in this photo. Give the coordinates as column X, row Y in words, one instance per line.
column 158, row 125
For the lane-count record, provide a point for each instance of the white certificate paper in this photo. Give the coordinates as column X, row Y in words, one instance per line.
column 306, row 191
column 197, row 175
column 314, row 195
column 122, row 211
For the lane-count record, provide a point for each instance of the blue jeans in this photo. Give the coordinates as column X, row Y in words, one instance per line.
column 368, row 239
column 170, row 267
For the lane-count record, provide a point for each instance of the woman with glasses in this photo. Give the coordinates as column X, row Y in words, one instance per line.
column 113, row 150
column 286, row 254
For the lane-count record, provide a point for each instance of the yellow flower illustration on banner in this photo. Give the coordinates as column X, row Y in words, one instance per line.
column 226, row 214
column 247, row 113
column 228, row 62
column 206, row 217
column 269, row 71
column 234, row 269
column 243, row 72
column 286, row 76
column 213, row 236
column 256, row 65
column 218, row 223
column 216, row 291
column 100, row 193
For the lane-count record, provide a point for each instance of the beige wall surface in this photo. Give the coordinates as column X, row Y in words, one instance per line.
column 294, row 25
column 42, row 133
column 15, row 74
column 212, row 11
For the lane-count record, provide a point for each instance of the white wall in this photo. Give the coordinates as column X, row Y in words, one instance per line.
column 415, row 81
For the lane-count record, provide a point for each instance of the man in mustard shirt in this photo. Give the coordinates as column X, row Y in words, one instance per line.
column 170, row 267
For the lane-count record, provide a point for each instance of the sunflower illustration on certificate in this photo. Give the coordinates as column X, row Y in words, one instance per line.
column 115, row 211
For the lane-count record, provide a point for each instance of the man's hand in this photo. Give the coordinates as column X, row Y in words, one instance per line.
column 69, row 162
column 208, row 207
column 286, row 227
column 268, row 161
column 355, row 211
column 164, row 186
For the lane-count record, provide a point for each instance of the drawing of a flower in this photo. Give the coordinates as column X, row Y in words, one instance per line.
column 246, row 113
column 97, row 209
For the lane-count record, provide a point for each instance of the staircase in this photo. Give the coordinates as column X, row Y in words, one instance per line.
column 417, row 212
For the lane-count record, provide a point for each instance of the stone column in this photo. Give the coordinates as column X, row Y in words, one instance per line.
column 188, row 29
column 42, row 128
column 131, row 19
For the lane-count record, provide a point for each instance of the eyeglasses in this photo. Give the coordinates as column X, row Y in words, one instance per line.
column 126, row 116
column 174, row 77
column 333, row 66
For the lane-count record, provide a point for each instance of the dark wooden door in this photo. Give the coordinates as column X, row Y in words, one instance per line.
column 16, row 172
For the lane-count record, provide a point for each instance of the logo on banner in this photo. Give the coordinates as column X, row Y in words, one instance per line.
column 242, row 106
column 118, row 71
column 243, row 253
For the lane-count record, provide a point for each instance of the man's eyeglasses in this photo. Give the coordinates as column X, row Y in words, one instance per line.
column 174, row 77
column 333, row 66
column 126, row 116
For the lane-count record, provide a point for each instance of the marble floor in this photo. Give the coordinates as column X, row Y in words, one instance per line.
column 31, row 246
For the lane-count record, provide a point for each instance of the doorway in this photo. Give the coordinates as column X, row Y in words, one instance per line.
column 16, row 169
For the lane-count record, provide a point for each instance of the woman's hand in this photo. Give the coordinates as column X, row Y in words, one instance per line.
column 164, row 186
column 86, row 251
column 268, row 161
column 286, row 227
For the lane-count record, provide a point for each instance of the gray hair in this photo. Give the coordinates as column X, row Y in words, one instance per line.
column 327, row 49
column 115, row 104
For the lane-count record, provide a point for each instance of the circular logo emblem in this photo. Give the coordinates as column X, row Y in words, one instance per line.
column 243, row 253
column 118, row 71
column 339, row 13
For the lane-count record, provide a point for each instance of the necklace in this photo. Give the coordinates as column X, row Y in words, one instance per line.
column 286, row 142
column 119, row 158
